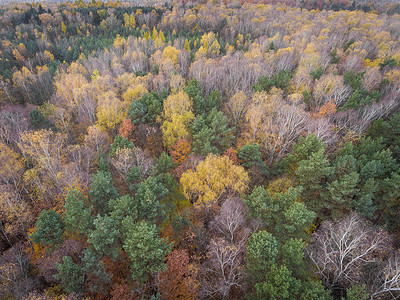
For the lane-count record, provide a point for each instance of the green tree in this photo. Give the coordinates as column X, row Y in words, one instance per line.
column 121, row 207
column 147, row 198
column 302, row 150
column 145, row 249
column 309, row 175
column 105, row 236
column 96, row 277
column 147, row 109
column 201, row 105
column 70, row 275
column 262, row 252
column 283, row 214
column 102, row 190
column 279, row 284
column 211, row 134
column 77, row 216
column 120, row 143
column 49, row 229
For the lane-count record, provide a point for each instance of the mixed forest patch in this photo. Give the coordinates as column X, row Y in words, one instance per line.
column 200, row 150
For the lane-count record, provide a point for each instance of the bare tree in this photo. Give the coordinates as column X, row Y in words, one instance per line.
column 223, row 269
column 230, row 219
column 387, row 281
column 341, row 249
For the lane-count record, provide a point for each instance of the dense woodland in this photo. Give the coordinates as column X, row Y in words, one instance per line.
column 200, row 150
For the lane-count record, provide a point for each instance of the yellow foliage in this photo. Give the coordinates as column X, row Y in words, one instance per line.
column 176, row 129
column 110, row 111
column 214, row 177
column 171, row 53
column 134, row 93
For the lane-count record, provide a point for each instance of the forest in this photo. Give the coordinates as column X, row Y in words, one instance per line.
column 200, row 150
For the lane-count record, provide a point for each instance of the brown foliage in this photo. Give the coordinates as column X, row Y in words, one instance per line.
column 127, row 130
column 175, row 281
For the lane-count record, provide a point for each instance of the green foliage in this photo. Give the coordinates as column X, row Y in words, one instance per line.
column 353, row 79
column 280, row 80
column 147, row 198
column 283, row 215
column 211, row 134
column 389, row 132
column 105, row 236
column 37, row 120
column 122, row 207
column 77, row 216
column 388, row 62
column 317, row 73
column 147, row 109
column 264, row 83
column 164, row 164
column 145, row 249
column 70, row 275
column 49, row 229
column 250, row 155
column 309, row 175
column 292, row 255
column 96, row 277
column 334, row 58
column 279, row 284
column 262, row 252
column 348, row 44
column 120, row 143
column 202, row 105
column 302, row 150
column 357, row 292
column 102, row 190
column 314, row 290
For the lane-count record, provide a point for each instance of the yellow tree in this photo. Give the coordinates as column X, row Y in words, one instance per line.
column 215, row 177
column 177, row 115
column 176, row 129
column 110, row 111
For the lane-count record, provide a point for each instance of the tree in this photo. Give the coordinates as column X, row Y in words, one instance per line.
column 110, row 112
column 49, row 229
column 147, row 199
column 211, row 134
column 181, row 151
column 70, row 275
column 236, row 108
column 279, row 284
column 262, row 253
column 387, row 282
column 46, row 149
column 230, row 219
column 176, row 129
column 340, row 250
column 96, row 278
column 102, row 190
column 145, row 249
column 176, row 279
column 214, row 177
column 127, row 130
column 223, row 269
column 105, row 237
column 77, row 216
column 309, row 175
column 282, row 213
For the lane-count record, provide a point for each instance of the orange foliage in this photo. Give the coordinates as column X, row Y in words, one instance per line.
column 181, row 151
column 326, row 110
column 231, row 153
column 127, row 130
